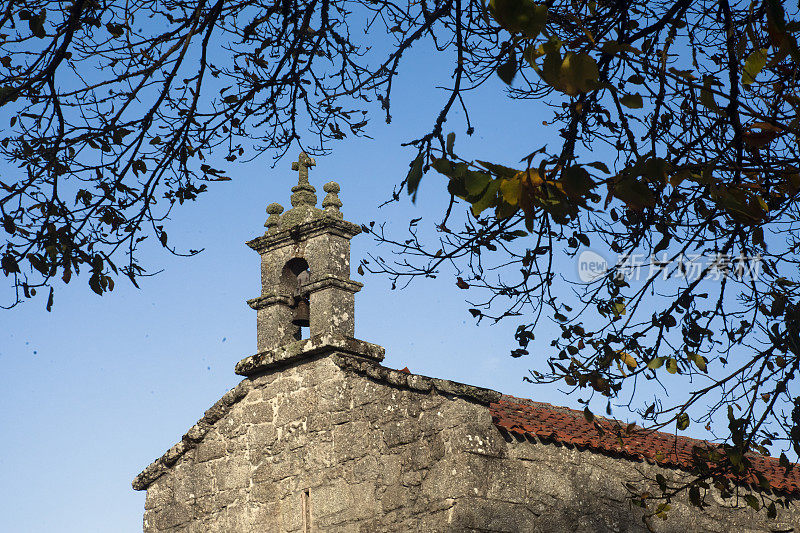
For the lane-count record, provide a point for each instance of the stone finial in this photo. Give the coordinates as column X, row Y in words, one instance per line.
column 303, row 192
column 274, row 211
column 331, row 203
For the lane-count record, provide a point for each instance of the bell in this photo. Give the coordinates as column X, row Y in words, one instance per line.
column 301, row 313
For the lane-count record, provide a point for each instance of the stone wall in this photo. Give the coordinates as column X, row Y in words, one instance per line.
column 324, row 446
column 361, row 449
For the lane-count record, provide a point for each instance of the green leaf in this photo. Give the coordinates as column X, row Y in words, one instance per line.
column 614, row 47
column 9, row 264
column 519, row 16
column 488, row 199
column 694, row 496
column 36, row 24
column 752, row 501
column 476, row 182
column 683, row 421
column 662, row 244
column 599, row 165
column 508, row 70
column 633, row 101
column 443, row 166
column 94, row 283
column 116, row 30
column 753, row 65
column 119, row 134
column 5, row 94
column 8, row 224
column 706, row 96
column 685, row 74
column 578, row 73
column 635, row 193
column 551, row 68
column 456, row 187
column 414, row 176
column 577, row 182
column 588, row 415
column 655, row 363
column 499, row 170
column 784, row 462
column 772, row 511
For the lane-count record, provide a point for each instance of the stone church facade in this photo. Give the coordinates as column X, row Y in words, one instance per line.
column 319, row 436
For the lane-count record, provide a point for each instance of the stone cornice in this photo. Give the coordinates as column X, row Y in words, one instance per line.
column 345, row 284
column 303, row 349
column 266, row 300
column 416, row 382
column 324, row 224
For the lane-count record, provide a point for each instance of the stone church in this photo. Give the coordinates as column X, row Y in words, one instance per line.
column 319, row 436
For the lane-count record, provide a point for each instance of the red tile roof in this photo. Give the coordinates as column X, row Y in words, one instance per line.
column 567, row 426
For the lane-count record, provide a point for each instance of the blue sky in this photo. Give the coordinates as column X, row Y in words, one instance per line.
column 101, row 386
column 98, row 388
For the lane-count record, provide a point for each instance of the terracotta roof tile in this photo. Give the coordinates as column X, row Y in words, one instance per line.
column 568, row 426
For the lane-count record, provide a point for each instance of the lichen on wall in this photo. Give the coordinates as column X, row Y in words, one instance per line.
column 339, row 443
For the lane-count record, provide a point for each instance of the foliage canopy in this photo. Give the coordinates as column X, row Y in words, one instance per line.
column 679, row 136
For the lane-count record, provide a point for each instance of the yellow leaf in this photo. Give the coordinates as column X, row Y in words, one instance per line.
column 698, row 360
column 672, row 365
column 628, row 359
column 531, row 176
column 578, row 74
column 753, row 65
column 510, row 190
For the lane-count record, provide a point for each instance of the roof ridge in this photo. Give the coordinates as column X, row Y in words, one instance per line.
column 579, row 414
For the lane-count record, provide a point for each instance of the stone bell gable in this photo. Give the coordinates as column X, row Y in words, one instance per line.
column 320, row 436
column 311, row 241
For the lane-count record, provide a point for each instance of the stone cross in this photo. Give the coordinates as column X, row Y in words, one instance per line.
column 302, row 164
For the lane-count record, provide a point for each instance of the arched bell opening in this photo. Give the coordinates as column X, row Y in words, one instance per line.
column 296, row 273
